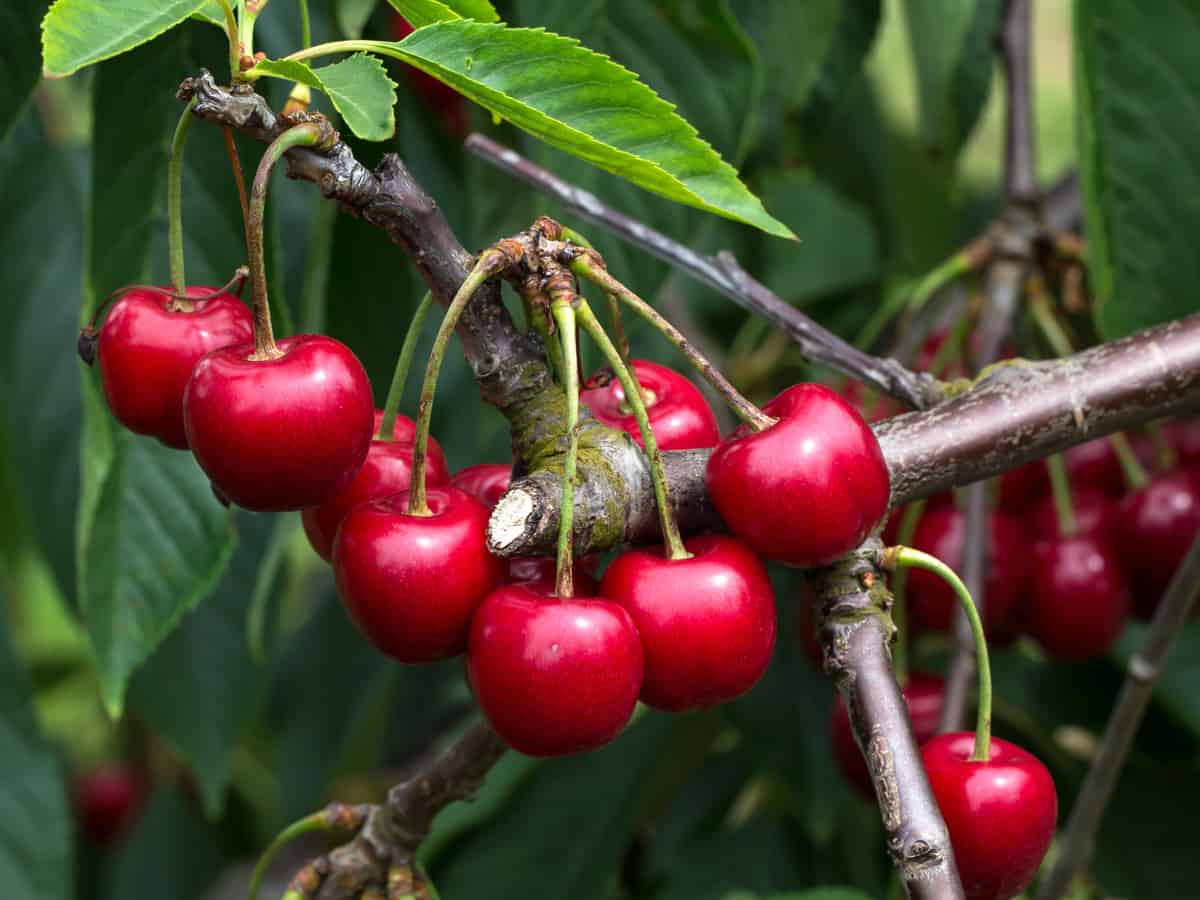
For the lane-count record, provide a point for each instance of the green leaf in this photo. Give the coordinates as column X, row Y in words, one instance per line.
column 584, row 103
column 1139, row 136
column 359, row 88
column 425, row 12
column 211, row 13
column 951, row 43
column 1175, row 690
column 821, row 893
column 36, row 825
column 352, row 15
column 78, row 33
column 761, row 855
column 20, row 65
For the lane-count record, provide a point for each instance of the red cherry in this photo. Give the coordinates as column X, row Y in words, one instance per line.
column 679, row 415
column 707, row 623
column 386, row 470
column 1080, row 599
column 1000, row 813
column 809, row 488
column 940, row 533
column 486, row 482
column 405, row 431
column 1095, row 464
column 1158, row 524
column 440, row 98
column 1184, row 438
column 924, row 696
column 147, row 350
column 412, row 583
column 554, row 676
column 107, row 801
column 1096, row 514
column 279, row 434
column 1021, row 486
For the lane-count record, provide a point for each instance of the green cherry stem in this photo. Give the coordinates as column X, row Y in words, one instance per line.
column 175, row 199
column 564, row 318
column 305, row 25
column 489, row 263
column 307, row 135
column 335, row 817
column 1060, row 490
column 904, row 534
column 391, row 407
column 910, row 558
column 586, row 266
column 231, row 32
column 1165, row 456
column 633, row 396
column 1131, row 466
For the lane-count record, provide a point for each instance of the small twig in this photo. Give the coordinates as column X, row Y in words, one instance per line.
column 1142, row 673
column 725, row 275
column 1020, row 164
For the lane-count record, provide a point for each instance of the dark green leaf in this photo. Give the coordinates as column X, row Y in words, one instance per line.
column 359, row 88
column 1176, row 688
column 1139, row 135
column 35, row 822
column 795, row 39
column 595, row 109
column 425, row 12
column 205, row 669
column 20, row 65
column 821, row 893
column 759, row 856
column 352, row 15
column 78, row 33
column 951, row 44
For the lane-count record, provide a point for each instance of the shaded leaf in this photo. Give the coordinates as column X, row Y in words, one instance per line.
column 358, row 87
column 20, row 64
column 425, row 12
column 78, row 33
column 1139, row 136
column 352, row 15
column 1175, row 690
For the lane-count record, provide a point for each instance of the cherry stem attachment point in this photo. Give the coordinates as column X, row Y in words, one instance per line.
column 907, row 557
column 564, row 318
column 490, row 262
column 1060, row 490
column 391, row 407
column 335, row 817
column 633, row 395
column 588, row 265
column 175, row 201
column 309, row 134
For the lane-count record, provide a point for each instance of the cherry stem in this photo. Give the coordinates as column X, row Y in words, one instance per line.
column 250, row 10
column 239, row 177
column 489, row 263
column 175, row 201
column 564, row 318
column 586, row 266
column 387, row 424
column 1131, row 467
column 911, row 558
column 317, row 821
column 1048, row 323
column 305, row 25
column 1060, row 489
column 909, row 520
column 1165, row 456
column 633, row 395
column 231, row 32
column 306, row 135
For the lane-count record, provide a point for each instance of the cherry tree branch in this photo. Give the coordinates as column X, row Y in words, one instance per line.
column 1142, row 673
column 725, row 275
column 1020, row 164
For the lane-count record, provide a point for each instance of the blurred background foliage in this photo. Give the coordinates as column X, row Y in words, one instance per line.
column 246, row 697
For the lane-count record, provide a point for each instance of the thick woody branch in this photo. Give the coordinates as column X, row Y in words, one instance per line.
column 1020, row 412
column 853, row 616
column 723, row 274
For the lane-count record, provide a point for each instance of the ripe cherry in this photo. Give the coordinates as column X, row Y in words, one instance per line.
column 1158, row 524
column 554, row 676
column 107, row 801
column 941, row 533
column 1080, row 599
column 1021, row 486
column 1095, row 464
column 148, row 346
column 1000, row 813
column 486, row 482
column 386, row 470
column 1096, row 514
column 1184, row 438
column 924, row 696
column 280, row 433
column 412, row 582
column 707, row 623
column 679, row 415
column 807, row 489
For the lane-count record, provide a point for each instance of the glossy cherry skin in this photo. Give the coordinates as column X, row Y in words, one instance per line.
column 679, row 415
column 107, row 801
column 1000, row 813
column 554, row 676
column 147, row 350
column 412, row 583
column 1097, row 514
column 386, row 470
column 280, row 434
column 809, row 488
column 486, row 482
column 1079, row 597
column 924, row 695
column 940, row 533
column 707, row 623
column 1158, row 524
